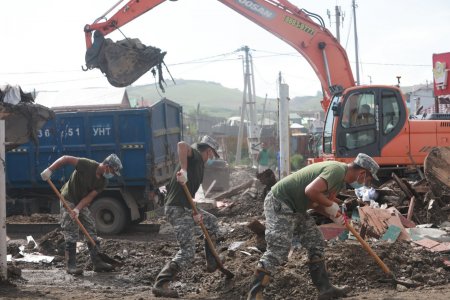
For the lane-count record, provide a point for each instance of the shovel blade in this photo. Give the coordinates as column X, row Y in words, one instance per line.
column 110, row 260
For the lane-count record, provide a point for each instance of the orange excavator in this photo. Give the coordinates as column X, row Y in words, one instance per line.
column 369, row 119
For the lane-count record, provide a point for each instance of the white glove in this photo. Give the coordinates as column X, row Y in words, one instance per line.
column 198, row 218
column 339, row 219
column 332, row 210
column 334, row 214
column 76, row 212
column 182, row 176
column 46, row 174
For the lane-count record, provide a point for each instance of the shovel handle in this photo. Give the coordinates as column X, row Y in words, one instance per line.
column 366, row 246
column 205, row 232
column 66, row 206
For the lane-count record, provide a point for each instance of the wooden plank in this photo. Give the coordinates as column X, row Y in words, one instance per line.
column 377, row 221
column 234, row 191
column 427, row 243
column 411, row 208
column 402, row 186
column 437, row 170
column 442, row 247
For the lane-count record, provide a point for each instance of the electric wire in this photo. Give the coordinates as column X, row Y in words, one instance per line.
column 224, row 57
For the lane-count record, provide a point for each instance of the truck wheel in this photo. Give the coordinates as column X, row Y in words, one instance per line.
column 110, row 215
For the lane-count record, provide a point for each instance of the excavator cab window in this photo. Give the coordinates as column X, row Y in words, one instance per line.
column 328, row 126
column 391, row 111
column 358, row 116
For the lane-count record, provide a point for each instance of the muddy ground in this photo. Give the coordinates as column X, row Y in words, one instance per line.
column 142, row 255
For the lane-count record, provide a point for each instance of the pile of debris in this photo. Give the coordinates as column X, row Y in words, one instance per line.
column 23, row 118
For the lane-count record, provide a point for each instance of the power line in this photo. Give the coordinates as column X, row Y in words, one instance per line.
column 38, row 72
column 206, row 60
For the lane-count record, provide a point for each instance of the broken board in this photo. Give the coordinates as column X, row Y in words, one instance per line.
column 437, row 170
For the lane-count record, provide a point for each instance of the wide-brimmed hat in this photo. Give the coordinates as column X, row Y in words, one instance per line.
column 365, row 161
column 209, row 141
column 114, row 162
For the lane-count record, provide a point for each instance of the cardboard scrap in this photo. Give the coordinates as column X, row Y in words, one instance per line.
column 434, row 246
column 427, row 243
column 442, row 247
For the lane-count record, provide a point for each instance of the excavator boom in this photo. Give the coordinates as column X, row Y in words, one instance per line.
column 280, row 17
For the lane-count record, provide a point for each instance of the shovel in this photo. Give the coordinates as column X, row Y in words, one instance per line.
column 383, row 266
column 222, row 269
column 103, row 256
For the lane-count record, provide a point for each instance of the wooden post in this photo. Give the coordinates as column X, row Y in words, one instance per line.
column 3, row 248
column 411, row 208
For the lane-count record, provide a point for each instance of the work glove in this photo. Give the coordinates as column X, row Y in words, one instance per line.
column 339, row 219
column 182, row 176
column 75, row 213
column 334, row 214
column 46, row 174
column 198, row 218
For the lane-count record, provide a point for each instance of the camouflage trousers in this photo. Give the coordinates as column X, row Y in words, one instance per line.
column 71, row 229
column 281, row 224
column 183, row 223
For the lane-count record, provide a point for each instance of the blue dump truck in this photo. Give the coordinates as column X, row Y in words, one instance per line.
column 145, row 139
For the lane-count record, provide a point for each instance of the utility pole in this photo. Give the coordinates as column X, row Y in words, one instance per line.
column 3, row 238
column 338, row 22
column 249, row 99
column 338, row 14
column 284, row 128
column 356, row 42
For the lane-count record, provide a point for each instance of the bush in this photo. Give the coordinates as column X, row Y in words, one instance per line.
column 297, row 162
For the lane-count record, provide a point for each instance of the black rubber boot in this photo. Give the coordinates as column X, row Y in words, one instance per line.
column 211, row 263
column 260, row 281
column 166, row 275
column 97, row 263
column 320, row 279
column 71, row 260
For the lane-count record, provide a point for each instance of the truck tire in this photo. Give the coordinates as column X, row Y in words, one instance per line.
column 110, row 215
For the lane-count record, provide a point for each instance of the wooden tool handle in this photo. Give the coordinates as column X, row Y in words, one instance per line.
column 66, row 206
column 205, row 232
column 368, row 249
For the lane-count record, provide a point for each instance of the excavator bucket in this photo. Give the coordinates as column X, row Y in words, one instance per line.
column 123, row 62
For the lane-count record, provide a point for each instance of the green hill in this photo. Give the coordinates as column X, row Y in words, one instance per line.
column 214, row 99
column 217, row 100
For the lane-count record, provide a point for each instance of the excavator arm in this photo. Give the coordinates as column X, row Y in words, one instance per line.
column 280, row 17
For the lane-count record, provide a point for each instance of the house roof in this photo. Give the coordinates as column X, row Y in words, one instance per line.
column 91, row 97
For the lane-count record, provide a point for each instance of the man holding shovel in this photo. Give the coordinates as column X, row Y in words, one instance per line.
column 285, row 207
column 87, row 180
column 179, row 212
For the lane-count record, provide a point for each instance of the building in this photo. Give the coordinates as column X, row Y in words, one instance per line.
column 421, row 97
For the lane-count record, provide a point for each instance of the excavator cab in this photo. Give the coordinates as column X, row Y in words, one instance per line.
column 363, row 120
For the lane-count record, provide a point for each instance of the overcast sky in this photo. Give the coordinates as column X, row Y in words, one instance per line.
column 43, row 43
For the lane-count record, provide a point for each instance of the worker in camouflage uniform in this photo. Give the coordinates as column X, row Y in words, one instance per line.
column 87, row 180
column 315, row 186
column 179, row 213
